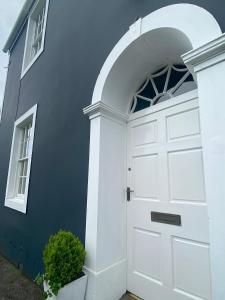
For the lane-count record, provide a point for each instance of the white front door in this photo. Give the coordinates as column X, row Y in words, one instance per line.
column 165, row 171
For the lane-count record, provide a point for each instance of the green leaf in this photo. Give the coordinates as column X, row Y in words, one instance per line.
column 63, row 258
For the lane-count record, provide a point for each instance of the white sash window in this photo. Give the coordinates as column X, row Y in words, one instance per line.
column 36, row 28
column 20, row 161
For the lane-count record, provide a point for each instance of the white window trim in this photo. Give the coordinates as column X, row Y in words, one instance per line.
column 20, row 203
column 25, row 69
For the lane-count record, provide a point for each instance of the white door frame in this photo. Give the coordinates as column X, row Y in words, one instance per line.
column 106, row 203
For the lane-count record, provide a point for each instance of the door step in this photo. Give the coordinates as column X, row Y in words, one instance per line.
column 132, row 296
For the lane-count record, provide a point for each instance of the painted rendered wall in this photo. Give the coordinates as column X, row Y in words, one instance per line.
column 79, row 37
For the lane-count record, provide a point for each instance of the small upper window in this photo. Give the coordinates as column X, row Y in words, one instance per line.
column 20, row 161
column 35, row 34
column 166, row 83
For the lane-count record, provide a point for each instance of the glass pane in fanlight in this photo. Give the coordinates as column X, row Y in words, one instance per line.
column 185, row 87
column 160, row 82
column 148, row 91
column 162, row 98
column 141, row 104
column 175, row 77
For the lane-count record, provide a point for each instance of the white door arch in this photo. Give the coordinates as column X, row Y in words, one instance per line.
column 193, row 26
column 190, row 29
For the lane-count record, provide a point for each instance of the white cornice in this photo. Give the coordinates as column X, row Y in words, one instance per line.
column 207, row 55
column 101, row 109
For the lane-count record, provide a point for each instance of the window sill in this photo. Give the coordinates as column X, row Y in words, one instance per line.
column 17, row 203
column 25, row 70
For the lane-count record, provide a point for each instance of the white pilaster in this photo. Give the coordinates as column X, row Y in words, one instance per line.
column 106, row 204
column 208, row 62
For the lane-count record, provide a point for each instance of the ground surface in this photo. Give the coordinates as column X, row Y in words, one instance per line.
column 15, row 286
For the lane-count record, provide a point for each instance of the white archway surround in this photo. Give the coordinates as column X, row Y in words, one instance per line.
column 161, row 37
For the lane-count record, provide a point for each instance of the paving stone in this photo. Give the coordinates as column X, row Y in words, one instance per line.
column 14, row 285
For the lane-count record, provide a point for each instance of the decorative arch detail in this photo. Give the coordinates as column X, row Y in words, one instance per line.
column 193, row 24
column 164, row 84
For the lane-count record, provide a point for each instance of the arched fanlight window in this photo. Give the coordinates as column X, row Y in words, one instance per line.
column 166, row 83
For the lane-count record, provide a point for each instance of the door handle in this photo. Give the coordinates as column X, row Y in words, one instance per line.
column 128, row 193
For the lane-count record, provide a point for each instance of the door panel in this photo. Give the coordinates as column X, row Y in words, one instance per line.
column 191, row 257
column 167, row 175
column 186, row 175
column 151, row 242
column 183, row 124
column 144, row 134
column 146, row 176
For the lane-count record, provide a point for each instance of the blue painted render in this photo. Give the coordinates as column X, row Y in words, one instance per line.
column 79, row 36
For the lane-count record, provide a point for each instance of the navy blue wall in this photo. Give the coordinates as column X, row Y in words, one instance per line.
column 79, row 36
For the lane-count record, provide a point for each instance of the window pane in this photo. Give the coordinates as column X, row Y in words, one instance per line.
column 25, row 163
column 25, row 141
column 39, row 24
column 21, row 168
column 25, row 150
column 23, row 185
column 20, row 185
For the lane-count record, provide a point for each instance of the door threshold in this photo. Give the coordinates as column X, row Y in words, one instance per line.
column 134, row 296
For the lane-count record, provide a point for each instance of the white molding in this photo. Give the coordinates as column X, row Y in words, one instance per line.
column 20, row 203
column 107, row 162
column 105, row 269
column 197, row 24
column 101, row 109
column 115, row 274
column 26, row 69
column 207, row 55
column 31, row 111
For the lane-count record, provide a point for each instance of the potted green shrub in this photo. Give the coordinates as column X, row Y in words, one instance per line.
column 63, row 259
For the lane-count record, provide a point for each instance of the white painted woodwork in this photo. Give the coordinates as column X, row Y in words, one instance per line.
column 160, row 36
column 29, row 58
column 165, row 156
column 12, row 198
column 191, row 30
column 208, row 62
column 106, row 211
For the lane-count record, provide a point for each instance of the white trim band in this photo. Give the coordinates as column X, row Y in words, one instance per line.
column 207, row 55
column 101, row 109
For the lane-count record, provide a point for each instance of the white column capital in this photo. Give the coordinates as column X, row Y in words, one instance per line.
column 206, row 55
column 101, row 109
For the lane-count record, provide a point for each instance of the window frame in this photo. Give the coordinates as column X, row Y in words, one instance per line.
column 12, row 199
column 165, row 90
column 26, row 66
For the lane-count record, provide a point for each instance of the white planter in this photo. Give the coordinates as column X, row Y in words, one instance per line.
column 72, row 291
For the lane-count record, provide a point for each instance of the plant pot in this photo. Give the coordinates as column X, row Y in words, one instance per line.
column 74, row 290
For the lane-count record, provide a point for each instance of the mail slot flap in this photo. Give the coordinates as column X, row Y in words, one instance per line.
column 165, row 218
